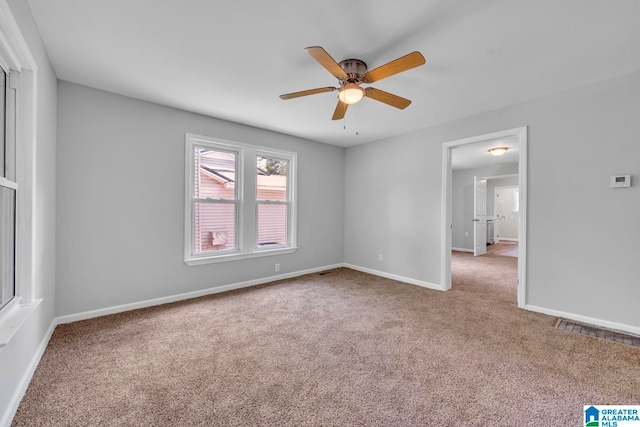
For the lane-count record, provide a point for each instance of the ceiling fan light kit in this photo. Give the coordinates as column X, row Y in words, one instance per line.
column 351, row 73
column 350, row 93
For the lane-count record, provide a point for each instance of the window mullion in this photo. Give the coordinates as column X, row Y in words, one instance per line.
column 249, row 188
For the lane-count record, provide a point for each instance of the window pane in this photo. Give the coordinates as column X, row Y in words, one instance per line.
column 272, row 179
column 215, row 176
column 272, row 224
column 7, row 244
column 3, row 118
column 214, row 228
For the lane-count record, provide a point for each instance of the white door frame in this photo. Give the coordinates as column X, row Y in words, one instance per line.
column 445, row 271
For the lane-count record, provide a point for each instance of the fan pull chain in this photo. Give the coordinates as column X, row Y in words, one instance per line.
column 344, row 125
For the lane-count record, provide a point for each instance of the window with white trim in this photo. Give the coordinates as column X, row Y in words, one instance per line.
column 215, row 200
column 17, row 162
column 240, row 201
column 8, row 187
column 273, row 200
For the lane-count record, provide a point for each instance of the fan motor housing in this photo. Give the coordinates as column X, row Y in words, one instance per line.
column 353, row 66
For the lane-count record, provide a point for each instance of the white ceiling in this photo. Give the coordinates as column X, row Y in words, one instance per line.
column 231, row 59
column 477, row 155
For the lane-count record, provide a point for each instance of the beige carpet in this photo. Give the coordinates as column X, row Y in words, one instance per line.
column 344, row 348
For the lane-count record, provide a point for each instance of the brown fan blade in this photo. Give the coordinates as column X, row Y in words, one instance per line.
column 307, row 92
column 387, row 98
column 324, row 59
column 340, row 111
column 407, row 62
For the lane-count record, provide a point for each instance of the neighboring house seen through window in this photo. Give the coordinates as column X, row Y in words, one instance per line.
column 240, row 201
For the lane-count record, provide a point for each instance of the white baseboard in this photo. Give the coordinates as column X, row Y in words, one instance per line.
column 188, row 295
column 462, row 250
column 10, row 412
column 506, row 239
column 195, row 294
column 635, row 330
column 395, row 277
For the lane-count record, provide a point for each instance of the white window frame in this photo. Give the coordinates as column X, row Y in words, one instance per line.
column 246, row 213
column 226, row 148
column 16, row 58
column 8, row 158
column 288, row 202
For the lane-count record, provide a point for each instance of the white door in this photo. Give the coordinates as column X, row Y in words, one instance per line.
column 507, row 208
column 479, row 216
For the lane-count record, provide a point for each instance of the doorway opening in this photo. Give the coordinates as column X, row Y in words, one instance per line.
column 478, row 228
column 506, row 202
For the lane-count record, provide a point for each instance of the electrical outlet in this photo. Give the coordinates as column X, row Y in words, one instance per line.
column 277, row 267
column 466, row 234
column 380, row 257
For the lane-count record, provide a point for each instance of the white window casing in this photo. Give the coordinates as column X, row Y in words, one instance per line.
column 243, row 180
column 16, row 59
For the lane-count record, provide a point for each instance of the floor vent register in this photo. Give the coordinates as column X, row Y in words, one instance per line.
column 594, row 331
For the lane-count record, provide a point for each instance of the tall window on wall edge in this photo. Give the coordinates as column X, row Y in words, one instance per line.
column 240, row 201
column 8, row 185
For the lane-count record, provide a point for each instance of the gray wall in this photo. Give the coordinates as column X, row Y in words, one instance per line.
column 120, row 216
column 16, row 356
column 462, row 199
column 582, row 236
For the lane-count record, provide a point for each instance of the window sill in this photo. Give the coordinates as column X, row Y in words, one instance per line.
column 12, row 318
column 238, row 256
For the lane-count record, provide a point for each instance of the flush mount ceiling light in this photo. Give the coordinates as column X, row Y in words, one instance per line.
column 498, row 151
column 350, row 93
